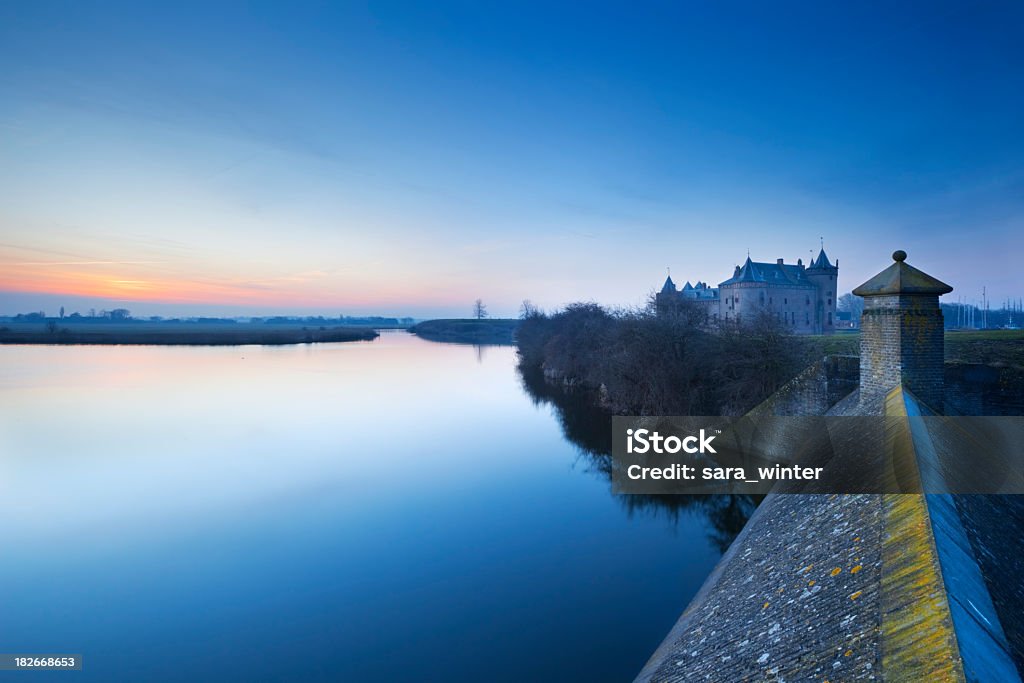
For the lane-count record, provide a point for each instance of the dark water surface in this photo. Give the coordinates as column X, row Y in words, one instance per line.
column 383, row 511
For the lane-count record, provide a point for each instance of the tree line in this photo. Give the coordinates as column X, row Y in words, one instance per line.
column 643, row 363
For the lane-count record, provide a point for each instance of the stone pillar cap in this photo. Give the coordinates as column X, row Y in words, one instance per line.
column 902, row 278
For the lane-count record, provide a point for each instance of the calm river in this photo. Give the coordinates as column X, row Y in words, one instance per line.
column 384, row 511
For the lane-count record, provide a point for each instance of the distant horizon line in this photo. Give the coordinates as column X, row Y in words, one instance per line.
column 104, row 314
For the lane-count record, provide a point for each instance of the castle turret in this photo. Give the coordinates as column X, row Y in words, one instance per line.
column 901, row 340
column 825, row 276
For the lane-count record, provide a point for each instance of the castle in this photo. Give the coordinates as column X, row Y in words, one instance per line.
column 916, row 580
column 802, row 298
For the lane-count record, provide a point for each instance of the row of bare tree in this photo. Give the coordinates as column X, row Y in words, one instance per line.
column 668, row 364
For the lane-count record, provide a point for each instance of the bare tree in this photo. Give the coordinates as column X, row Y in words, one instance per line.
column 641, row 363
column 527, row 309
column 851, row 303
column 684, row 311
column 479, row 309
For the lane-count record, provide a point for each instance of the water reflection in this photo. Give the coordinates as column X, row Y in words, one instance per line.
column 588, row 427
column 263, row 510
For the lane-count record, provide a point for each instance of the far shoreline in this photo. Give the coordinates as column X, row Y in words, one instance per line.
column 182, row 334
column 482, row 331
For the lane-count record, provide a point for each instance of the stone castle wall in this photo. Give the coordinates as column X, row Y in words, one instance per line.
column 795, row 307
column 902, row 343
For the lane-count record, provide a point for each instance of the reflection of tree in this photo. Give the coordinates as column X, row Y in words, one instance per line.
column 588, row 427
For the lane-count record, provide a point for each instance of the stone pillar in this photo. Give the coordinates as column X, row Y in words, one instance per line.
column 901, row 335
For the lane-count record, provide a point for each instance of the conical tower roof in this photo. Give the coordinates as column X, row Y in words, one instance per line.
column 822, row 260
column 747, row 272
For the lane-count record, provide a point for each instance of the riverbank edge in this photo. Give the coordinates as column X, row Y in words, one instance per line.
column 184, row 337
column 492, row 331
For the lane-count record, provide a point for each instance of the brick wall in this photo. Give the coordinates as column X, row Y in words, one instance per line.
column 902, row 342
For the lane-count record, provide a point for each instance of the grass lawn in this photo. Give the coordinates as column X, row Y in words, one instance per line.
column 1001, row 347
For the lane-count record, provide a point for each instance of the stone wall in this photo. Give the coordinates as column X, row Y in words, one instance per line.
column 795, row 307
column 815, row 390
column 902, row 343
column 976, row 389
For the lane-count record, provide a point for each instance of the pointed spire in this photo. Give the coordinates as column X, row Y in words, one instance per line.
column 821, row 261
column 747, row 272
column 669, row 286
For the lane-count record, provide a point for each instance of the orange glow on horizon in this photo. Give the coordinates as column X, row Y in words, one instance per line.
column 282, row 291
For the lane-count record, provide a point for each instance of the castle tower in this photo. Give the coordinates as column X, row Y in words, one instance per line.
column 901, row 338
column 825, row 277
column 666, row 299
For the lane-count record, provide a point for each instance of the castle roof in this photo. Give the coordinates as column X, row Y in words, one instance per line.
column 781, row 274
column 669, row 286
column 901, row 278
column 822, row 260
column 701, row 291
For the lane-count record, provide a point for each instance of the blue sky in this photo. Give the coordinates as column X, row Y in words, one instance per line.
column 407, row 158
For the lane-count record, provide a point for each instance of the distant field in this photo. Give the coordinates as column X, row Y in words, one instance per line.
column 1004, row 347
column 468, row 331
column 177, row 333
column 977, row 346
column 843, row 344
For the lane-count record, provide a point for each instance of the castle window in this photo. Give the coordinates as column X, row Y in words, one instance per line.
column 830, row 317
column 808, row 300
column 769, row 300
column 807, row 318
column 785, row 300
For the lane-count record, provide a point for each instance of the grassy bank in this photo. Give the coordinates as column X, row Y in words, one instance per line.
column 991, row 347
column 468, row 331
column 184, row 333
